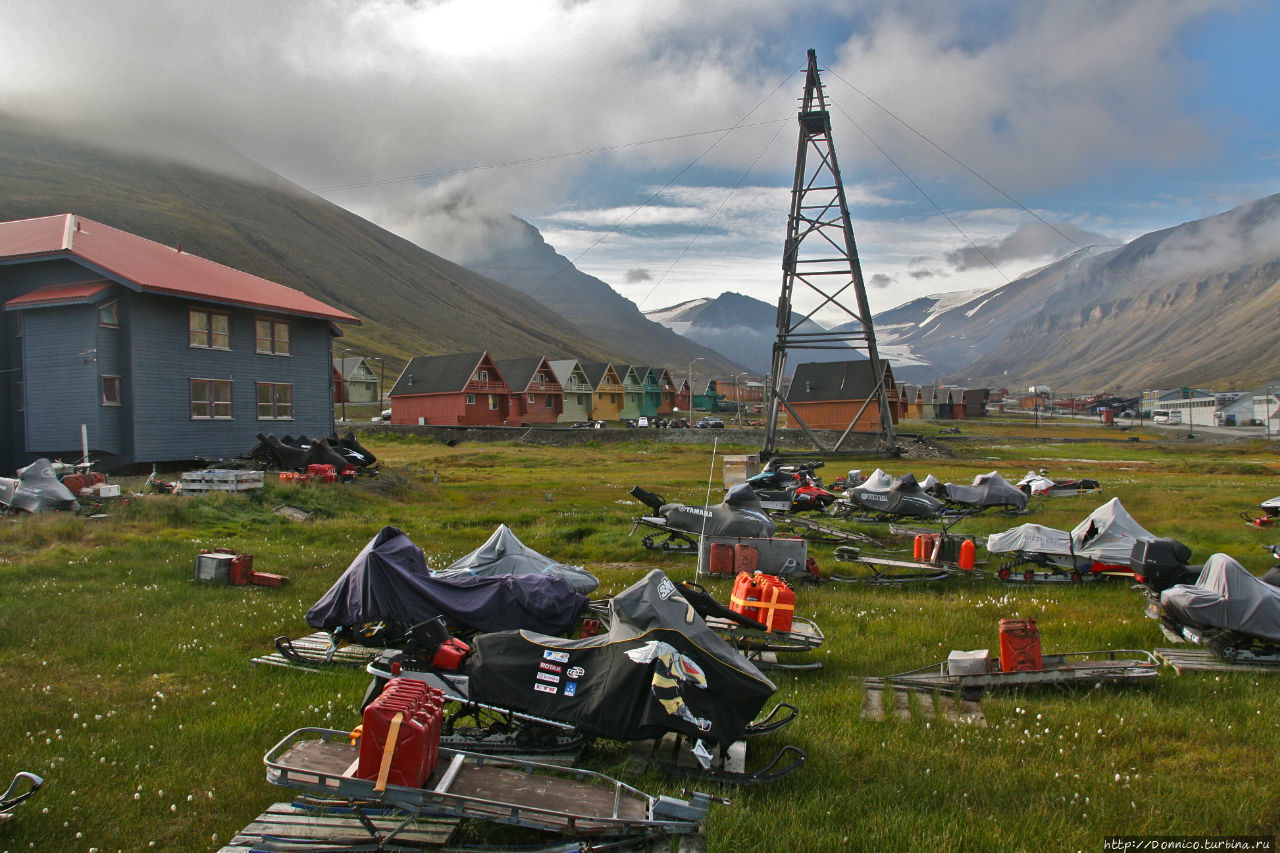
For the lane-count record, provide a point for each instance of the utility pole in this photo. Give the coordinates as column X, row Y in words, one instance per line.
column 820, row 257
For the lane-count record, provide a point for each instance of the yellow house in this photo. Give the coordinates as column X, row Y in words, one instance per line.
column 607, row 398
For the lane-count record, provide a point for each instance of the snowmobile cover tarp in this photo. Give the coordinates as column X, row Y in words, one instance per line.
column 1108, row 534
column 902, row 496
column 658, row 668
column 1226, row 596
column 1031, row 538
column 740, row 515
column 878, row 480
column 505, row 554
column 37, row 489
column 988, row 489
column 389, row 580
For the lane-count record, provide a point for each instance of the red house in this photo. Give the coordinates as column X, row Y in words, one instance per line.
column 536, row 395
column 465, row 389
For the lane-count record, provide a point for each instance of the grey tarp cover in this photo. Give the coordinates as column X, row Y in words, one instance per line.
column 505, row 554
column 37, row 489
column 1227, row 596
column 988, row 489
column 1033, row 538
column 389, row 580
column 740, row 514
column 1108, row 534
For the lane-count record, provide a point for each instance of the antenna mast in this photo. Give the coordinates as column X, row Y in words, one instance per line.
column 820, row 255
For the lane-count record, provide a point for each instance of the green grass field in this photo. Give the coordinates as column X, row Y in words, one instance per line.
column 130, row 689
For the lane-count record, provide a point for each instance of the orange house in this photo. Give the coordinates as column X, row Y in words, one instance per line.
column 608, row 391
column 450, row 390
column 828, row 395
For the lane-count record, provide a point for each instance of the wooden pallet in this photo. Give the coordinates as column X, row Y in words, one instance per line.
column 882, row 699
column 1196, row 659
column 314, row 646
column 287, row 827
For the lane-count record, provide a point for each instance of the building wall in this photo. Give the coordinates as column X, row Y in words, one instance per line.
column 576, row 407
column 606, row 405
column 836, row 414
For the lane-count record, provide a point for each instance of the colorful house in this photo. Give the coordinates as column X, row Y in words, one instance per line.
column 578, row 390
column 607, row 390
column 829, row 395
column 667, row 402
column 148, row 353
column 632, row 391
column 651, row 399
column 354, row 381
column 707, row 400
column 464, row 389
column 681, row 402
column 536, row 395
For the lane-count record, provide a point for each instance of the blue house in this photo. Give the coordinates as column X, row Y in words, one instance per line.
column 147, row 353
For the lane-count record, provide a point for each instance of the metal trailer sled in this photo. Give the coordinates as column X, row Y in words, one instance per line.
column 1060, row 670
column 935, row 556
column 471, row 785
column 754, row 639
column 819, row 531
column 14, row 795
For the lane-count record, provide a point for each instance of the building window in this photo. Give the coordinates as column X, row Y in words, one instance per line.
column 271, row 337
column 211, row 399
column 110, row 390
column 482, row 375
column 493, row 402
column 208, row 329
column 613, row 399
column 275, row 401
column 533, row 399
column 109, row 315
column 550, row 401
column 471, row 399
column 582, row 399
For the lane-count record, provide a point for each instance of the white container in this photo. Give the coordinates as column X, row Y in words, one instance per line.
column 968, row 663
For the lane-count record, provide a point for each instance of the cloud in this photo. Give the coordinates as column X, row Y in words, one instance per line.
column 879, row 281
column 637, row 275
column 1029, row 242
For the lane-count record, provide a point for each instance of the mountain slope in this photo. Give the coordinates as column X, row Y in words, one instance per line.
column 411, row 302
column 1197, row 304
column 533, row 267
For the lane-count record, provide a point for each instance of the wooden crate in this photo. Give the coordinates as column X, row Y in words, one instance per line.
column 221, row 480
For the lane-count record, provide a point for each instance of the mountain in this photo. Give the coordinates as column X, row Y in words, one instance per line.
column 1193, row 305
column 530, row 264
column 411, row 302
column 743, row 329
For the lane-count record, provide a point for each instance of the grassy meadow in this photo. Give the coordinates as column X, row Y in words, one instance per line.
column 130, row 689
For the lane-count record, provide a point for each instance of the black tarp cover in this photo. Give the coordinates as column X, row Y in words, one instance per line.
column 740, row 514
column 894, row 496
column 389, row 580
column 658, row 668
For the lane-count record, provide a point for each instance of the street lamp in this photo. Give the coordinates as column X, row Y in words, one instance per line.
column 699, row 358
column 383, row 376
column 737, row 398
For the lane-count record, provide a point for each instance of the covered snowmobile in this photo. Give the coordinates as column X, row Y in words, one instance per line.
column 292, row 454
column 739, row 514
column 389, row 582
column 987, row 491
column 36, row 489
column 657, row 668
column 1227, row 609
column 1039, row 485
column 1102, row 542
column 505, row 554
column 881, row 497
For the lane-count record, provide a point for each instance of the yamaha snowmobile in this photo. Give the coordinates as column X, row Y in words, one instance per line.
column 36, row 489
column 881, row 497
column 658, row 668
column 1228, row 610
column 1039, row 485
column 988, row 491
column 1100, row 544
column 739, row 514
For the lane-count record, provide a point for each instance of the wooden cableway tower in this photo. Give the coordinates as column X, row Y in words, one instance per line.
column 820, row 256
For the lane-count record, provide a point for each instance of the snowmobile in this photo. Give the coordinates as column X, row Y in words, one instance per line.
column 881, row 497
column 1100, row 544
column 1271, row 507
column 739, row 514
column 1039, row 485
column 388, row 589
column 988, row 491
column 1233, row 613
column 290, row 454
column 778, row 474
column 657, row 668
column 505, row 554
column 14, row 795
column 36, row 489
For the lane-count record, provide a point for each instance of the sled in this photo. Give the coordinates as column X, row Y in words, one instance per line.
column 14, row 795
column 755, row 640
column 887, row 571
column 818, row 531
column 523, row 793
column 1062, row 670
column 675, row 541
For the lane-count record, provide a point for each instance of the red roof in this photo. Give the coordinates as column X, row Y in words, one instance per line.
column 153, row 267
column 58, row 294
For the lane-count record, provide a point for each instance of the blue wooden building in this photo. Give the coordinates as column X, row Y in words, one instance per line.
column 152, row 354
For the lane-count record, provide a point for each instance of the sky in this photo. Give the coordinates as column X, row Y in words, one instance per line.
column 654, row 144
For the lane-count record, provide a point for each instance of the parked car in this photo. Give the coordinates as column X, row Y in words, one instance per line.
column 710, row 423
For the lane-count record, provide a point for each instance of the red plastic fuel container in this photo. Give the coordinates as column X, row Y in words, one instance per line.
column 720, row 560
column 746, row 557
column 746, row 596
column 1019, row 645
column 411, row 710
column 777, row 603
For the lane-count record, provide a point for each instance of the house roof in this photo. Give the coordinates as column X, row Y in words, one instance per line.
column 520, row 372
column 147, row 266
column 347, row 366
column 563, row 368
column 597, row 370
column 60, row 294
column 820, row 381
column 440, row 374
